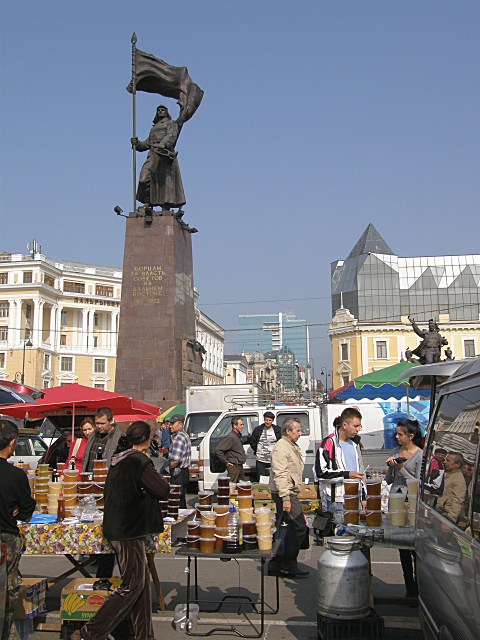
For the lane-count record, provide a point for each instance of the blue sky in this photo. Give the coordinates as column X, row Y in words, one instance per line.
column 318, row 118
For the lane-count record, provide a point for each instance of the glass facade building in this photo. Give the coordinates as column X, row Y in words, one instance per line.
column 271, row 332
column 379, row 287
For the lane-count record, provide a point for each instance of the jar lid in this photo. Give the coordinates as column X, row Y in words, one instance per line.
column 343, row 543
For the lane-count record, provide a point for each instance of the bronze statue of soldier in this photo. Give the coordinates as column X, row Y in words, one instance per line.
column 430, row 349
column 160, row 182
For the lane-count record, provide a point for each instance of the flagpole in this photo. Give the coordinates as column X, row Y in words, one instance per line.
column 134, row 98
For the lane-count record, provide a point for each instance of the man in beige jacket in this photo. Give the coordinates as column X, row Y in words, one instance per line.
column 286, row 476
column 450, row 504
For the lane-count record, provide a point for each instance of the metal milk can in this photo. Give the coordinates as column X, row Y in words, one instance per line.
column 343, row 580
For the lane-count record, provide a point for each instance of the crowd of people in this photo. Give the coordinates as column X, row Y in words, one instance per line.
column 132, row 490
column 134, row 486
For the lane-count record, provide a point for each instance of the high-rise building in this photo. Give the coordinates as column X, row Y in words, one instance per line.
column 373, row 293
column 272, row 331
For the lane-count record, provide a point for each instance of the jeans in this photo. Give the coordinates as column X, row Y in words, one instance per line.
column 337, row 509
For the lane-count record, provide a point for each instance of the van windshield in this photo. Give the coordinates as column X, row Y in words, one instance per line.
column 198, row 424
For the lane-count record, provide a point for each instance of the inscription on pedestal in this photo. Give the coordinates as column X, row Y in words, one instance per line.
column 157, row 313
column 147, row 284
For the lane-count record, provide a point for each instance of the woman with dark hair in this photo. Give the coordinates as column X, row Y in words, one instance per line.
column 78, row 446
column 409, row 438
column 132, row 511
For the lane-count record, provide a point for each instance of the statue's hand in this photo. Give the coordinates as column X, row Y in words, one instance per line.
column 411, row 318
column 134, row 142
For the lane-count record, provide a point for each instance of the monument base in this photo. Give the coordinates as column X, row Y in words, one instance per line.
column 157, row 355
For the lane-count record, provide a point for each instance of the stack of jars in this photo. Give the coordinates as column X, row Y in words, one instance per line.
column 373, row 513
column 223, row 496
column 210, row 529
column 173, row 504
column 41, row 485
column 70, row 490
column 401, row 510
column 351, row 502
column 100, row 472
column 264, row 524
column 55, row 489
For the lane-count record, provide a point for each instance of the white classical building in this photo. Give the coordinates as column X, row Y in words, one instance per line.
column 59, row 323
column 212, row 338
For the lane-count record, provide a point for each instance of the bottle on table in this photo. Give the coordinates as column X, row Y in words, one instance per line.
column 233, row 539
column 72, row 463
column 100, row 453
column 61, row 508
column 55, row 476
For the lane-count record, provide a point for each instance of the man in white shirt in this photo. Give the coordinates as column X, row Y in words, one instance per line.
column 262, row 440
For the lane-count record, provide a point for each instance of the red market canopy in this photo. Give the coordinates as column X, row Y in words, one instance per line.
column 76, row 398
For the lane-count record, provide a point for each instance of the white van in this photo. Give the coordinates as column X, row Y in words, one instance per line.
column 205, row 403
column 315, row 426
column 317, row 422
column 448, row 515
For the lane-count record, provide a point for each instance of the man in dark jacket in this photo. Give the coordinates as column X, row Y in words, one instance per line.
column 102, row 442
column 15, row 502
column 262, row 441
column 132, row 491
column 230, row 451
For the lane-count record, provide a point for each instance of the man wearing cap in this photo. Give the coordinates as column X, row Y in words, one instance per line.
column 179, row 456
column 262, row 441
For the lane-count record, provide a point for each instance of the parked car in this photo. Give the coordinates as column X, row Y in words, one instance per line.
column 30, row 446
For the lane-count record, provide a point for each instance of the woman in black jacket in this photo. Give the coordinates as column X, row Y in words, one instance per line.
column 132, row 511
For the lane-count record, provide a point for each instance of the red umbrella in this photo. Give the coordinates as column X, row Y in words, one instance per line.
column 78, row 398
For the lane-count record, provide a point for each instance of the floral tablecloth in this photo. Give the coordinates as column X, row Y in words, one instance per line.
column 84, row 538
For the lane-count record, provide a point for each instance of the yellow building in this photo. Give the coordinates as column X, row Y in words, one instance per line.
column 59, row 323
column 373, row 293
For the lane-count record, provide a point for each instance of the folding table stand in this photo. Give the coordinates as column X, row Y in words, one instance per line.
column 258, row 606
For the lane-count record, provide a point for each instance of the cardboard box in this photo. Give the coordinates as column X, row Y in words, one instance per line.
column 258, row 504
column 31, row 598
column 309, row 506
column 80, row 602
column 308, row 492
column 261, row 492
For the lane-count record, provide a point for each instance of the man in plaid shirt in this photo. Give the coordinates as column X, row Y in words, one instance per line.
column 179, row 456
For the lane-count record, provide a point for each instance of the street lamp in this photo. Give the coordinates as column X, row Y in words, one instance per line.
column 26, row 343
column 323, row 374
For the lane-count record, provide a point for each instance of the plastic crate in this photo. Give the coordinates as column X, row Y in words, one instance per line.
column 370, row 628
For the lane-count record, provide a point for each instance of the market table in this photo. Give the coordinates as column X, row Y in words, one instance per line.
column 261, row 556
column 82, row 538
